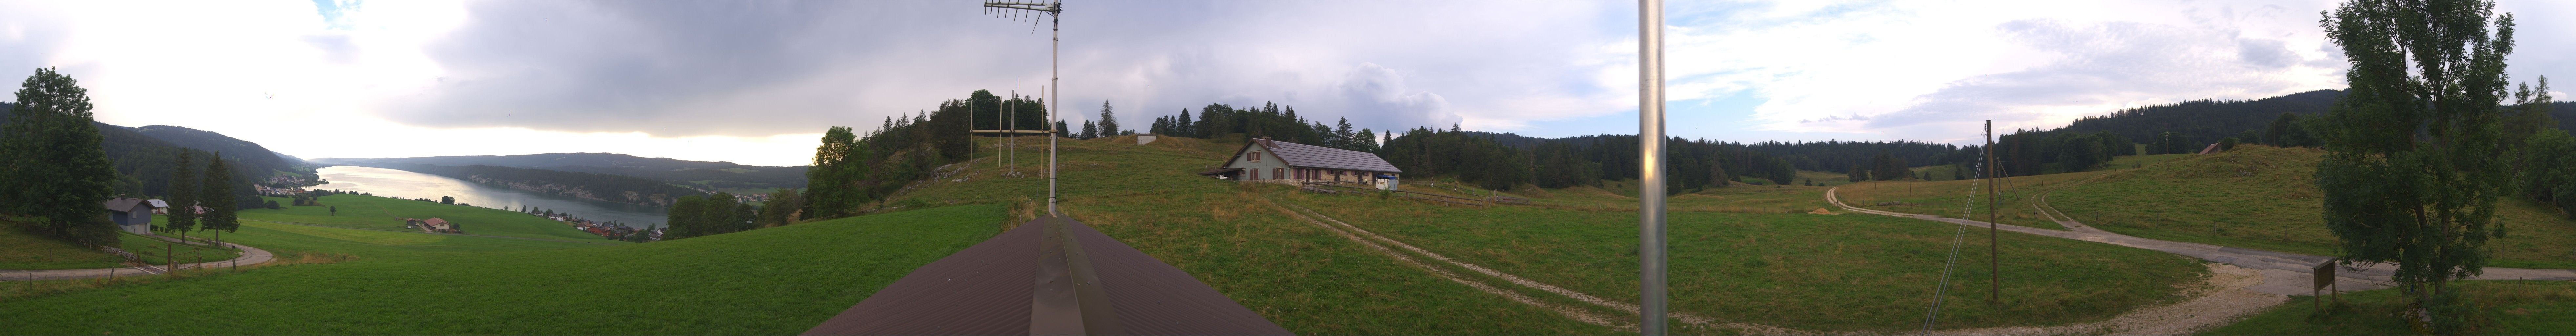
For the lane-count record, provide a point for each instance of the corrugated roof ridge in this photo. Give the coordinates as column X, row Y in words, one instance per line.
column 1336, row 157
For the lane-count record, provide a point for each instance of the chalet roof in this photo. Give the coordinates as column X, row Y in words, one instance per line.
column 121, row 203
column 157, row 203
column 994, row 288
column 434, row 222
column 1308, row 156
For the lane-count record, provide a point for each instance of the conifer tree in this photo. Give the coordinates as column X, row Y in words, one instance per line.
column 215, row 192
column 183, row 195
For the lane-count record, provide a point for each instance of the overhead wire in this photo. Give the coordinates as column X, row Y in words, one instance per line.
column 1957, row 239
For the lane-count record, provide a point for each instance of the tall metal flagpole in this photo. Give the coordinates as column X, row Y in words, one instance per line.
column 1650, row 184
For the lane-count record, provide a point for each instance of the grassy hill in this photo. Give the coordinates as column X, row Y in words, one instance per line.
column 2265, row 198
column 771, row 281
column 1740, row 255
column 1312, row 281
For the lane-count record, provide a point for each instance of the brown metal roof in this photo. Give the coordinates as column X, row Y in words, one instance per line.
column 121, row 203
column 992, row 287
column 1307, row 156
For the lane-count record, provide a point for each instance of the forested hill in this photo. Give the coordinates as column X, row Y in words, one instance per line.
column 143, row 163
column 247, row 151
column 590, row 186
column 708, row 174
column 2205, row 121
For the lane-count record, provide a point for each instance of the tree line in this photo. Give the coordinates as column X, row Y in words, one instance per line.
column 1277, row 122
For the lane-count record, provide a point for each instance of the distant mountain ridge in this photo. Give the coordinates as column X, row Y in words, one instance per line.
column 712, row 175
column 144, row 156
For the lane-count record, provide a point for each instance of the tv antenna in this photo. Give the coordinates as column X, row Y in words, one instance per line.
column 1053, row 12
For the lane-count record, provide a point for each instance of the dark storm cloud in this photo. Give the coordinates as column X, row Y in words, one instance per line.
column 758, row 68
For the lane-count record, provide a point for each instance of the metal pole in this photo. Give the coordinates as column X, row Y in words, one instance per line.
column 1055, row 45
column 1650, row 184
column 1011, row 140
column 1994, row 257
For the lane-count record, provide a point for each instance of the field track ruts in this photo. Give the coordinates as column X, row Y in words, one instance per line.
column 249, row 256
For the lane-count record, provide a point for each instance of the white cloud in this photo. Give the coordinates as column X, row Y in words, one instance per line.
column 2025, row 64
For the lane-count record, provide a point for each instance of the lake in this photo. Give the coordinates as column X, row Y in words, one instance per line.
column 409, row 185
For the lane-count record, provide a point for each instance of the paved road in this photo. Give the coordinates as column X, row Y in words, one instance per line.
column 2283, row 273
column 249, row 256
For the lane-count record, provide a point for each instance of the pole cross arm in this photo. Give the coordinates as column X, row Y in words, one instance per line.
column 1049, row 8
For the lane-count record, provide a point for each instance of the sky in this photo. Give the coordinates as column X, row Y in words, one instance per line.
column 757, row 82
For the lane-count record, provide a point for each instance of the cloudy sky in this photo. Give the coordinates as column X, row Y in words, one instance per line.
column 756, row 82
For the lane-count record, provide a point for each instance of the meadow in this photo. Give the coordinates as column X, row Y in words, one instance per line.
column 2505, row 307
column 408, row 283
column 386, row 213
column 1301, row 277
column 2265, row 198
column 20, row 250
column 1829, row 273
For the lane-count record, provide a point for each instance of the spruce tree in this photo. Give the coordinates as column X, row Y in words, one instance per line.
column 55, row 169
column 183, row 194
column 215, row 192
column 1108, row 121
column 2411, row 170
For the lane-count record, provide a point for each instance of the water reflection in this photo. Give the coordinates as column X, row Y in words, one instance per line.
column 409, row 185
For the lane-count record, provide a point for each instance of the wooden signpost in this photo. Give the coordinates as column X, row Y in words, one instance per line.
column 2325, row 280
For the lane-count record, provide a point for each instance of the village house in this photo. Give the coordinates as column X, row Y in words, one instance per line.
column 436, row 225
column 1264, row 160
column 132, row 214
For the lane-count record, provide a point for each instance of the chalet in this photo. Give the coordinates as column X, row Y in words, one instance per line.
column 1265, row 160
column 131, row 214
column 439, row 225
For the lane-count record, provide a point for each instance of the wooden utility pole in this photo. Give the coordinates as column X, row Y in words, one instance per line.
column 1994, row 199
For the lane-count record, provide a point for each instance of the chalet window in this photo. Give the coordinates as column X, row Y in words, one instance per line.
column 1256, row 173
column 1277, row 172
column 1253, row 157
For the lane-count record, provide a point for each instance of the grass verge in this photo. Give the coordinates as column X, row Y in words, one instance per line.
column 2507, row 307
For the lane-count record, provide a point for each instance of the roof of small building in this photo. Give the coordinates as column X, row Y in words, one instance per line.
column 158, row 203
column 1310, row 156
column 121, row 203
column 434, row 221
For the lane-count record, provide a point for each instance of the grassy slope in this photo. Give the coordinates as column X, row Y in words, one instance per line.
column 2512, row 307
column 1950, row 198
column 23, row 251
column 1299, row 276
column 2265, row 198
column 373, row 212
column 740, row 283
column 1822, row 272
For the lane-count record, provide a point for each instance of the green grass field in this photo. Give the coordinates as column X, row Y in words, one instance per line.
column 23, row 251
column 2508, row 307
column 1951, row 198
column 1816, row 272
column 385, row 213
column 770, row 281
column 2265, row 198
column 1305, row 279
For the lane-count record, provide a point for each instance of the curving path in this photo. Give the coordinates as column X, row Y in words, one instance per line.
column 249, row 256
column 2283, row 273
